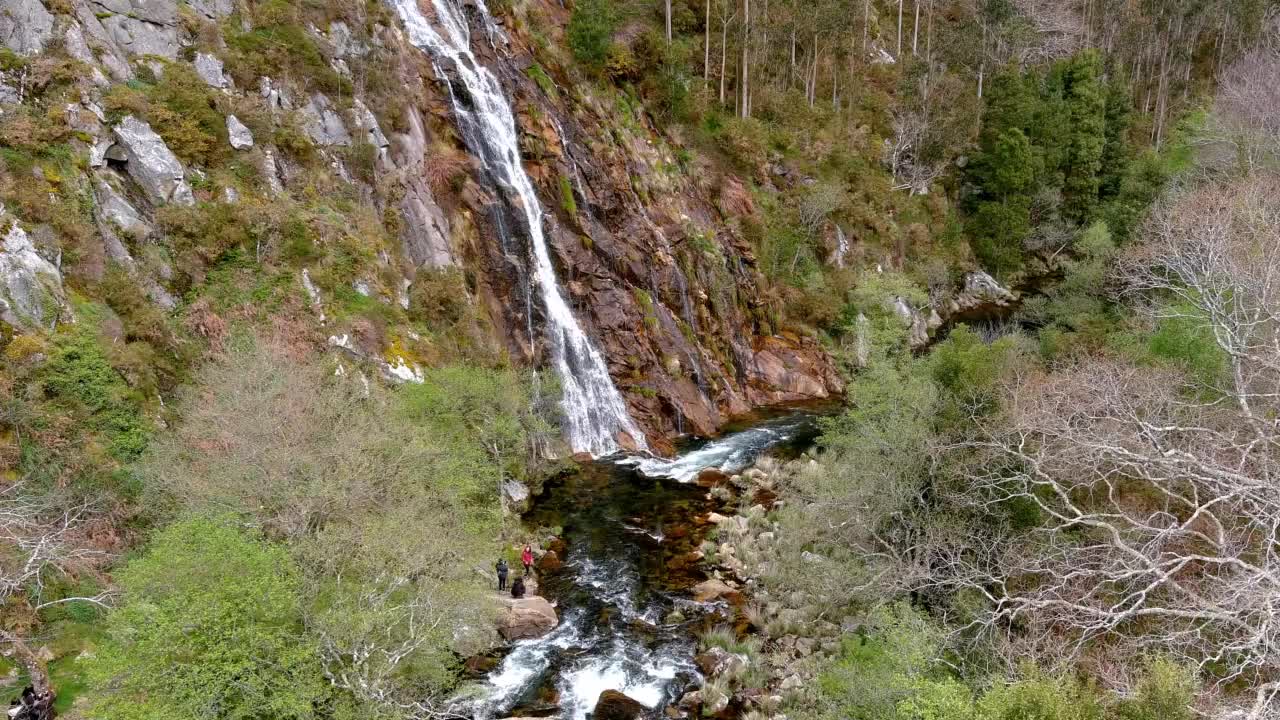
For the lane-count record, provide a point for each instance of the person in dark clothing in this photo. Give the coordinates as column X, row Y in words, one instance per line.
column 32, row 705
column 502, row 569
column 517, row 588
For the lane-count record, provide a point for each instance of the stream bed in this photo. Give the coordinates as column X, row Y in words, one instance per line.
column 627, row 619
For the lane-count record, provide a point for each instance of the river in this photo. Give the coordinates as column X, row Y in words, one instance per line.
column 627, row 620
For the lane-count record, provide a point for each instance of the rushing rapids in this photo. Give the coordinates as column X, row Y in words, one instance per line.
column 628, row 622
column 729, row 454
column 595, row 413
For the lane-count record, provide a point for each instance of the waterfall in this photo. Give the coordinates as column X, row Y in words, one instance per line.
column 842, row 246
column 594, row 409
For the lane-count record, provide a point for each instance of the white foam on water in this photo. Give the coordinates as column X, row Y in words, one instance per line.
column 528, row 660
column 595, row 413
column 654, row 535
column 729, row 454
column 622, row 670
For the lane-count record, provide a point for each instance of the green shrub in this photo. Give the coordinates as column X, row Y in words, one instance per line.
column 212, row 618
column 567, row 201
column 188, row 117
column 590, row 29
column 937, row 700
column 79, row 377
column 543, row 80
column 279, row 45
column 967, row 370
column 1186, row 341
column 362, row 161
column 1041, row 697
column 1165, row 692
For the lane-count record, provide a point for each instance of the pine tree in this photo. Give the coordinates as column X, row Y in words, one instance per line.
column 1117, row 152
column 1086, row 109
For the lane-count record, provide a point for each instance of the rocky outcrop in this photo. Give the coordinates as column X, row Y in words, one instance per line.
column 613, row 705
column 150, row 162
column 209, row 68
column 114, row 208
column 527, row 617
column 920, row 322
column 25, row 26
column 213, row 9
column 981, row 296
column 140, row 27
column 516, row 496
column 238, row 134
column 31, row 293
column 718, row 661
column 323, row 123
column 368, row 123
column 425, row 232
column 711, row 590
column 650, row 255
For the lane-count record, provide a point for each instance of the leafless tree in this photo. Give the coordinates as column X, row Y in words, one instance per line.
column 1158, row 494
column 902, row 152
column 1245, row 117
column 40, row 538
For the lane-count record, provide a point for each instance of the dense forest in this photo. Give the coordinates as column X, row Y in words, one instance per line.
column 275, row 390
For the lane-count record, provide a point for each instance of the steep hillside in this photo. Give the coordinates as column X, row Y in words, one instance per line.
column 308, row 154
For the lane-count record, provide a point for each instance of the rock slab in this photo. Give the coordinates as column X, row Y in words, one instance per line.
column 238, row 134
column 151, row 163
column 528, row 617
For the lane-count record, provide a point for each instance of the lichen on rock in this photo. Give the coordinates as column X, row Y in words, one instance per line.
column 31, row 293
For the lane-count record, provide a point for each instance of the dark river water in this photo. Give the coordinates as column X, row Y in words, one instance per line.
column 627, row 620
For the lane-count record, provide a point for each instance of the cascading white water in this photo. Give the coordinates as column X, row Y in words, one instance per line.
column 594, row 409
column 729, row 454
column 842, row 247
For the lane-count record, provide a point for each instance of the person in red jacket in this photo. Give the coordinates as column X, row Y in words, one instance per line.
column 526, row 557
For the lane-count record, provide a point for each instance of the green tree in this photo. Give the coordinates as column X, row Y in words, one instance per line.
column 1011, row 167
column 998, row 229
column 389, row 500
column 1117, row 152
column 1086, row 108
column 211, row 627
column 966, row 371
column 1009, row 104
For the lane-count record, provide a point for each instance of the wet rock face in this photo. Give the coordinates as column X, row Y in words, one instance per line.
column 613, row 705
column 650, row 260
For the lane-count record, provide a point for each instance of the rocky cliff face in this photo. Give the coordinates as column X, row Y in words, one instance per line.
column 334, row 101
column 651, row 258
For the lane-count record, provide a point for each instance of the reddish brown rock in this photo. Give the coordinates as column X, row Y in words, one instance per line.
column 550, row 561
column 613, row 705
column 713, row 589
column 712, row 477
